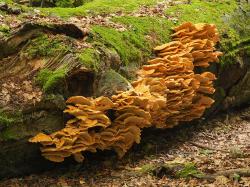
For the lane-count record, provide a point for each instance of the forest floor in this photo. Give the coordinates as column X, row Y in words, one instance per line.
column 218, row 144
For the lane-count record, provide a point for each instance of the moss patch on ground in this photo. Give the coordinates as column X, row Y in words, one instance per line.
column 173, row 170
column 189, row 170
column 100, row 7
column 147, row 169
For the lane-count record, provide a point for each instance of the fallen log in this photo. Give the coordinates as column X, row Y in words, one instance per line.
column 166, row 93
column 232, row 89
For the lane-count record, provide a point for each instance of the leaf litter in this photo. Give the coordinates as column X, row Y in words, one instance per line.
column 174, row 146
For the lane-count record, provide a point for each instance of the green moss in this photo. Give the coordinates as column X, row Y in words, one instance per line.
column 49, row 80
column 100, row 6
column 232, row 56
column 57, row 100
column 65, row 3
column 44, row 46
column 4, row 29
column 7, row 1
column 237, row 41
column 240, row 21
column 189, row 170
column 203, row 11
column 90, row 59
column 136, row 43
column 120, row 42
column 5, row 119
column 233, row 23
column 8, row 134
column 148, row 168
column 9, row 118
column 156, row 29
column 176, row 170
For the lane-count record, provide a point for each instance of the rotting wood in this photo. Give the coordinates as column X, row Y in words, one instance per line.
column 166, row 93
column 30, row 30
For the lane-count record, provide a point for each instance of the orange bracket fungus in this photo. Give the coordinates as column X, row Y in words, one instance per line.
column 167, row 92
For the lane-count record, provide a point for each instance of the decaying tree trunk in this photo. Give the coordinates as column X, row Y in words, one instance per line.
column 18, row 157
column 31, row 30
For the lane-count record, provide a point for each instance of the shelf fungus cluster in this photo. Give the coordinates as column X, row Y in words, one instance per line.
column 166, row 93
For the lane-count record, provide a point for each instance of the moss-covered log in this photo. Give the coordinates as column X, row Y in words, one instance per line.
column 45, row 69
column 29, row 31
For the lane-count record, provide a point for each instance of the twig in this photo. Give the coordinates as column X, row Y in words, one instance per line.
column 243, row 172
column 207, row 147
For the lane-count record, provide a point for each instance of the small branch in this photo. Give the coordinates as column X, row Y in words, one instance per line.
column 207, row 147
column 243, row 172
